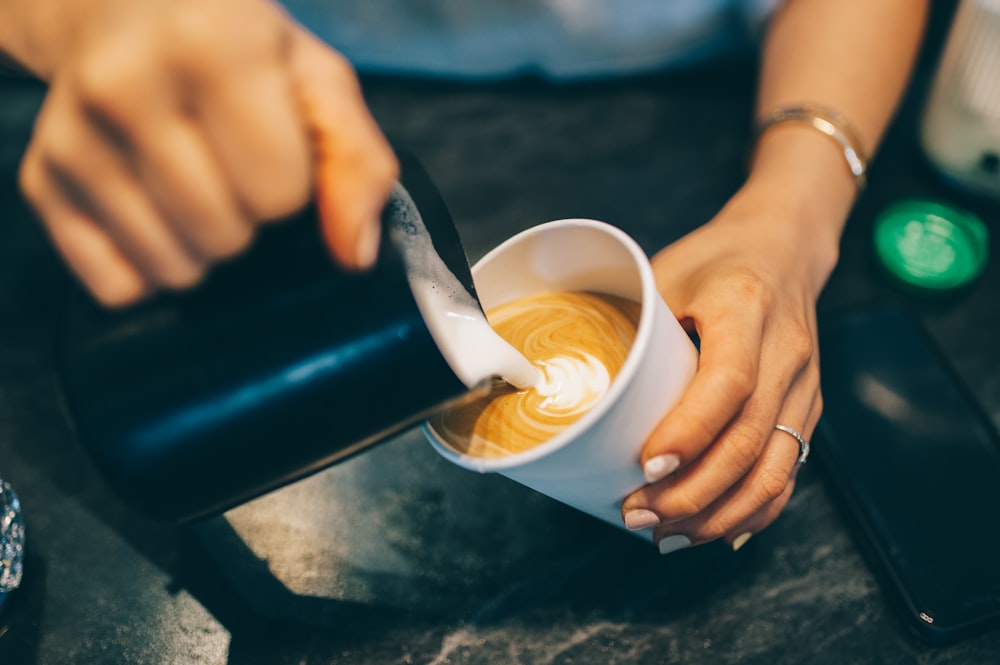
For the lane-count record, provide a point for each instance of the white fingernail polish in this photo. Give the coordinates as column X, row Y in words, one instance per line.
column 741, row 540
column 674, row 543
column 641, row 519
column 366, row 251
column 660, row 466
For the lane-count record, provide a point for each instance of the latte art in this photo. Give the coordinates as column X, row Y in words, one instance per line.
column 578, row 340
column 571, row 385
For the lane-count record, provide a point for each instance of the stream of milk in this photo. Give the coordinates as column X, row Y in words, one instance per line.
column 474, row 351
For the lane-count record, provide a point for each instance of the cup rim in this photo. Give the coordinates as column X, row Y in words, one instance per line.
column 644, row 331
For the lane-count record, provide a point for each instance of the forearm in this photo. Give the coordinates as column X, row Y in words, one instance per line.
column 747, row 282
column 854, row 56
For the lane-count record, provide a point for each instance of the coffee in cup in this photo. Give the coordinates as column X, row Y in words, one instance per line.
column 578, row 340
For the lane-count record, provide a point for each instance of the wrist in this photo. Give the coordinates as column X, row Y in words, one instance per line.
column 808, row 167
column 796, row 199
column 807, row 173
column 828, row 122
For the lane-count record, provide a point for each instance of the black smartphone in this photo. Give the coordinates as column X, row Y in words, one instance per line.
column 917, row 463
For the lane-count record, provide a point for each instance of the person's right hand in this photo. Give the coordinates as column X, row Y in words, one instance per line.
column 172, row 128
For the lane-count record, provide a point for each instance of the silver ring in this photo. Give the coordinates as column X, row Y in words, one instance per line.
column 803, row 444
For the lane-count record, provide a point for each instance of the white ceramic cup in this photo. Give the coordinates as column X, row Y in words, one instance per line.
column 594, row 464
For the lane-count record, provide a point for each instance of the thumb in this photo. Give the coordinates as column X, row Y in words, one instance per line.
column 354, row 166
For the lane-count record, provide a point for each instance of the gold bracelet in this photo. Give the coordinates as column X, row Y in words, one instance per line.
column 827, row 121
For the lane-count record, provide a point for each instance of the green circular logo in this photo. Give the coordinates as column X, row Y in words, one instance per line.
column 931, row 246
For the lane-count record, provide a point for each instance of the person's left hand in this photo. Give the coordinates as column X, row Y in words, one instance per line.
column 747, row 283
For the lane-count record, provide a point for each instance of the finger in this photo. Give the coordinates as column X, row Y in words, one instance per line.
column 88, row 250
column 187, row 183
column 763, row 518
column 757, row 522
column 760, row 488
column 786, row 387
column 725, row 380
column 693, row 490
column 143, row 107
column 754, row 501
column 251, row 120
column 355, row 167
column 94, row 177
column 70, row 167
column 97, row 261
column 156, row 146
column 737, row 506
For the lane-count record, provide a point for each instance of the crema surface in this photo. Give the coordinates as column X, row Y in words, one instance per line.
column 578, row 340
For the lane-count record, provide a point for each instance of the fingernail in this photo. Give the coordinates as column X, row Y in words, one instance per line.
column 660, row 466
column 674, row 543
column 641, row 519
column 741, row 540
column 366, row 251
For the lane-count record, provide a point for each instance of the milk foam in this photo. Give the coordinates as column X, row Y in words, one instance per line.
column 572, row 385
column 474, row 351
